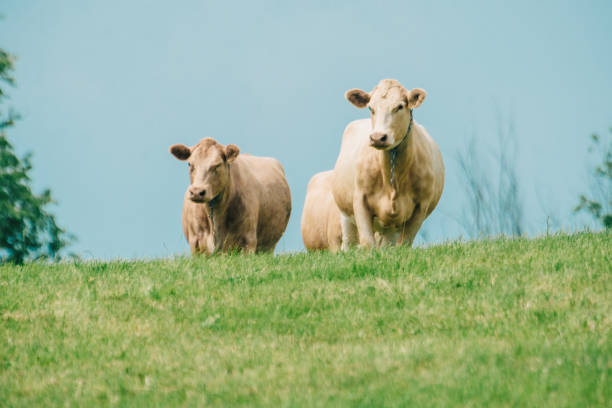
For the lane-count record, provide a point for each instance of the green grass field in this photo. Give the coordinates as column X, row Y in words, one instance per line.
column 495, row 323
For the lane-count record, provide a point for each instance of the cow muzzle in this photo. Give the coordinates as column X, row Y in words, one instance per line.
column 379, row 140
column 197, row 194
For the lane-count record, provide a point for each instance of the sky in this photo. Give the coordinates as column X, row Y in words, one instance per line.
column 105, row 87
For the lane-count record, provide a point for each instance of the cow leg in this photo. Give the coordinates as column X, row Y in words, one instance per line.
column 334, row 241
column 200, row 245
column 193, row 246
column 388, row 237
column 363, row 219
column 412, row 226
column 250, row 243
column 349, row 231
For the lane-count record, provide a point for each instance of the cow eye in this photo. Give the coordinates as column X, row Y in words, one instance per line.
column 399, row 108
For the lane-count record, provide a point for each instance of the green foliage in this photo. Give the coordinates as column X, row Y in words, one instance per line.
column 6, row 67
column 509, row 322
column 599, row 201
column 27, row 230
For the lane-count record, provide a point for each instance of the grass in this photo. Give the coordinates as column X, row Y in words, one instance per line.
column 493, row 323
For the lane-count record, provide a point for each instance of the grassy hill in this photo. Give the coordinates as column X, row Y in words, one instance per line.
column 495, row 323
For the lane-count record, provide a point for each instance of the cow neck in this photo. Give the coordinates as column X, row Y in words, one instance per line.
column 394, row 158
column 217, row 207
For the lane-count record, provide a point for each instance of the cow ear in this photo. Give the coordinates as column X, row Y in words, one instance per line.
column 231, row 152
column 358, row 97
column 180, row 151
column 415, row 98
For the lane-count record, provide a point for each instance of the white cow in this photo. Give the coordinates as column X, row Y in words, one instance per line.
column 389, row 175
column 321, row 217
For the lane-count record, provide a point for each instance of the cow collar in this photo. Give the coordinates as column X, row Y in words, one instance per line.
column 394, row 150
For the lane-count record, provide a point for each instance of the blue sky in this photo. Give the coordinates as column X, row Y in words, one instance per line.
column 105, row 87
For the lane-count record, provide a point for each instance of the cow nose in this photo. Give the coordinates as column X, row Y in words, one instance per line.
column 378, row 137
column 197, row 192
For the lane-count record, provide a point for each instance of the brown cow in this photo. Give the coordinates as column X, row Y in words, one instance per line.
column 389, row 175
column 235, row 201
column 321, row 216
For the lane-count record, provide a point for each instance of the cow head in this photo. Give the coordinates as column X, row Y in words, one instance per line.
column 390, row 106
column 208, row 167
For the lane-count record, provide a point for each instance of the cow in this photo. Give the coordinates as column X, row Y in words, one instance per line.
column 235, row 201
column 389, row 174
column 321, row 216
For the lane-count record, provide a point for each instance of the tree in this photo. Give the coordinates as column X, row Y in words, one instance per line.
column 27, row 230
column 599, row 202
